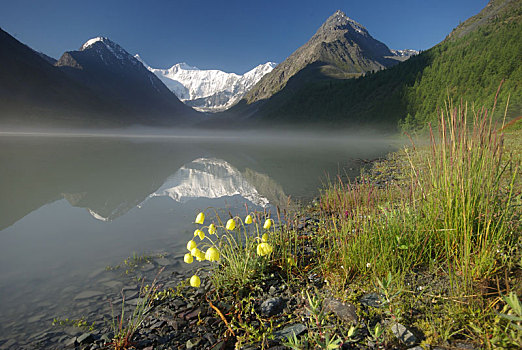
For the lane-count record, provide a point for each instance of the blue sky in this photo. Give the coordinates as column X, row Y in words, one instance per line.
column 231, row 35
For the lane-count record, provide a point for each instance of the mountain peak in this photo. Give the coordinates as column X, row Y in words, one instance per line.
column 183, row 66
column 340, row 21
column 138, row 57
column 341, row 48
column 93, row 41
column 102, row 42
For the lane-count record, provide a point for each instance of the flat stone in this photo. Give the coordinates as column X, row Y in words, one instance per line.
column 345, row 311
column 106, row 338
column 371, row 299
column 35, row 318
column 403, row 334
column 162, row 261
column 85, row 338
column 193, row 343
column 193, row 314
column 211, row 339
column 147, row 267
column 97, row 272
column 288, row 331
column 130, row 294
column 113, row 284
column 71, row 343
column 177, row 303
column 87, row 294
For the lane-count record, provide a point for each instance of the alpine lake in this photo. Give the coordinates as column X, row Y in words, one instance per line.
column 86, row 219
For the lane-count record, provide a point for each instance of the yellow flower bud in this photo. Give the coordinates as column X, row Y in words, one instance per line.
column 248, row 219
column 195, row 281
column 211, row 229
column 264, row 249
column 268, row 224
column 200, row 218
column 188, row 258
column 194, row 252
column 191, row 245
column 231, row 224
column 264, row 237
column 212, row 254
column 291, row 261
column 200, row 234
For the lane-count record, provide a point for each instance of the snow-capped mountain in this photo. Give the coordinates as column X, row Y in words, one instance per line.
column 107, row 68
column 404, row 53
column 209, row 90
column 115, row 50
column 209, row 178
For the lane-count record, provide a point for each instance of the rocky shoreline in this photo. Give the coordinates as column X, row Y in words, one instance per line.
column 200, row 318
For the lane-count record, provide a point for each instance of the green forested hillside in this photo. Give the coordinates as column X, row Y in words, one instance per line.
column 466, row 66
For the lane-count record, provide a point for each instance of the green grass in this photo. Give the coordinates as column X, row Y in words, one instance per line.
column 433, row 231
column 124, row 326
column 453, row 214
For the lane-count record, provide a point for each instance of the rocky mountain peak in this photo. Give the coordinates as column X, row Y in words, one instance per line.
column 340, row 22
column 101, row 45
column 340, row 49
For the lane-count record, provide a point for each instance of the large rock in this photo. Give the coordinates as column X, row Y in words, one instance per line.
column 345, row 311
column 272, row 306
column 403, row 334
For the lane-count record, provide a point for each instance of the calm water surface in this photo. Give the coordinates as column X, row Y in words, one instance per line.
column 70, row 206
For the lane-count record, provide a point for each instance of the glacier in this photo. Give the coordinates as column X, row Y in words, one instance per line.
column 208, row 90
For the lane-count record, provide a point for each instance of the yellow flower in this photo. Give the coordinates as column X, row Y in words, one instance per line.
column 291, row 261
column 231, row 224
column 264, row 238
column 264, row 249
column 211, row 229
column 195, row 252
column 200, row 233
column 200, row 218
column 200, row 256
column 195, row 281
column 212, row 254
column 191, row 245
column 268, row 224
column 248, row 219
column 188, row 258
